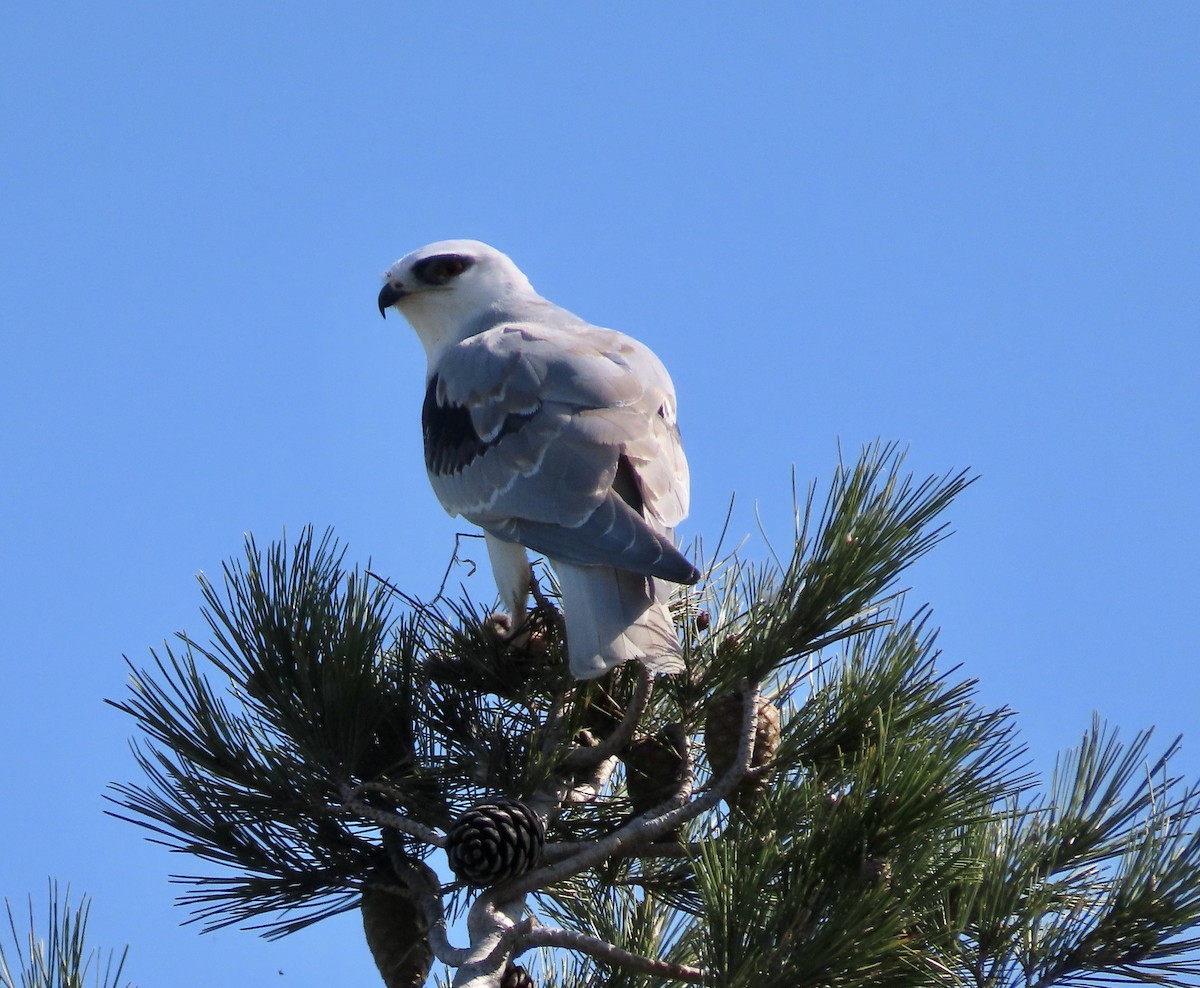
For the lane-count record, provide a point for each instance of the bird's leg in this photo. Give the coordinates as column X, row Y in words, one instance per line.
column 510, row 566
column 533, row 636
column 526, row 634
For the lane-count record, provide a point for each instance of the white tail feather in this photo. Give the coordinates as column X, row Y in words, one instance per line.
column 613, row 616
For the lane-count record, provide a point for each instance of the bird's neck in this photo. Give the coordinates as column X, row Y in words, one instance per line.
column 438, row 331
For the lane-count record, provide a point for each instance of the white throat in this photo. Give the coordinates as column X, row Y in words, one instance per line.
column 437, row 326
column 440, row 325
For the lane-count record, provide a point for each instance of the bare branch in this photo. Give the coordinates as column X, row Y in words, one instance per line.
column 545, row 936
column 588, row 788
column 583, row 757
column 354, row 805
column 552, row 732
column 655, row 823
column 492, row 928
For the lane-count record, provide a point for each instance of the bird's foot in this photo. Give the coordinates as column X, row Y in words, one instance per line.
column 499, row 625
column 532, row 637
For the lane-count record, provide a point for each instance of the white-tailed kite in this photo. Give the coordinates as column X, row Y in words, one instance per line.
column 554, row 435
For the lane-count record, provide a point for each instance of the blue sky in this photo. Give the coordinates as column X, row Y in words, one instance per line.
column 968, row 228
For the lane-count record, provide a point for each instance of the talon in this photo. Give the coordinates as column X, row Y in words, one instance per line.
column 499, row 624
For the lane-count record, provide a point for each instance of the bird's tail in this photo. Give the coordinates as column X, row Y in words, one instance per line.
column 613, row 616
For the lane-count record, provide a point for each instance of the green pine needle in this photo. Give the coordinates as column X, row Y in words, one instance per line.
column 59, row 956
column 897, row 837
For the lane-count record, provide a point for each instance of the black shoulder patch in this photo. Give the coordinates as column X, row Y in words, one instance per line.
column 451, row 442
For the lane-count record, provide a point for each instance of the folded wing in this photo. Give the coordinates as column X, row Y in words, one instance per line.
column 526, row 429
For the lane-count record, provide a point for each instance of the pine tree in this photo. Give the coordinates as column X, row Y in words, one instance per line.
column 60, row 956
column 813, row 802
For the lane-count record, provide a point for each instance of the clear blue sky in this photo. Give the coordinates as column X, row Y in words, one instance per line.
column 969, row 228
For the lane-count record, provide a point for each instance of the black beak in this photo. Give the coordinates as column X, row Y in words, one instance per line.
column 389, row 296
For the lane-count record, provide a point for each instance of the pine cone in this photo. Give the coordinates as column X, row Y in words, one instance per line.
column 600, row 712
column 655, row 767
column 875, row 872
column 397, row 932
column 494, row 842
column 516, row 976
column 722, row 730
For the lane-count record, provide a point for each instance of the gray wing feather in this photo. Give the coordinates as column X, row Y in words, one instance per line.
column 613, row 535
column 585, row 397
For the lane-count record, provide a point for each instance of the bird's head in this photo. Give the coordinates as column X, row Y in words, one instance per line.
column 449, row 290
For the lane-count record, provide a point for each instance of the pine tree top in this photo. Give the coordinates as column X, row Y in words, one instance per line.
column 813, row 802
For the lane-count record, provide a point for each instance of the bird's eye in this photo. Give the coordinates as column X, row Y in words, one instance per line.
column 442, row 269
column 451, row 267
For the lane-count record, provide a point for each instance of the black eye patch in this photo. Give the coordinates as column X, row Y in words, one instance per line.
column 441, row 268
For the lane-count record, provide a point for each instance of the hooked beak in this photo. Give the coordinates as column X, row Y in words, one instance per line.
column 389, row 295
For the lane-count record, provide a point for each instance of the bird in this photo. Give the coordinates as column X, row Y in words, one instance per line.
column 554, row 436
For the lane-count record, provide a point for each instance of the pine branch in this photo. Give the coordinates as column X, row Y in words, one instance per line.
column 1097, row 881
column 249, row 778
column 655, row 823
column 584, row 757
column 353, row 804
column 892, row 835
column 606, row 953
column 875, row 524
column 61, row 957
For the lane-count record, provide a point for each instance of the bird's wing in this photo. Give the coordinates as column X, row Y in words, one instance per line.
column 527, row 429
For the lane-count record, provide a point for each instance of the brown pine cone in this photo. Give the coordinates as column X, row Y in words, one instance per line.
column 722, row 731
column 516, row 976
column 655, row 768
column 494, row 842
column 397, row 933
column 876, row 872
